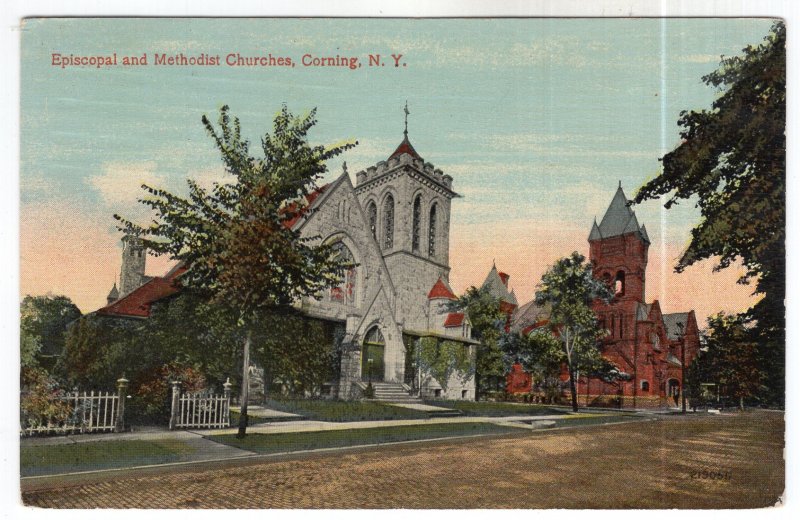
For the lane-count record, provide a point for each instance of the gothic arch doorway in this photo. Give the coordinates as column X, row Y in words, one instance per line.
column 372, row 355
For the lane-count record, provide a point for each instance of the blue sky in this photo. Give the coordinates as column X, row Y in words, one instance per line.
column 536, row 120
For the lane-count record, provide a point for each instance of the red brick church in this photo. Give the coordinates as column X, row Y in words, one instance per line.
column 648, row 347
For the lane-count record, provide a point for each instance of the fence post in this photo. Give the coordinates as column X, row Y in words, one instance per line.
column 122, row 390
column 227, row 393
column 176, row 392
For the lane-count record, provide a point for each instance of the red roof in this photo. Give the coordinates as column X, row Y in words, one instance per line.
column 454, row 319
column 504, row 277
column 405, row 147
column 441, row 290
column 309, row 201
column 137, row 303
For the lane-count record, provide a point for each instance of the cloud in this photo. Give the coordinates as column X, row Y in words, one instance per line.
column 700, row 58
column 119, row 185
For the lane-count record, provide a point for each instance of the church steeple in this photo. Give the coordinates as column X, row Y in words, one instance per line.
column 405, row 145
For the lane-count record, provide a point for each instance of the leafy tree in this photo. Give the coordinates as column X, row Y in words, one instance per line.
column 731, row 358
column 442, row 359
column 235, row 238
column 487, row 322
column 732, row 161
column 540, row 353
column 43, row 321
column 569, row 288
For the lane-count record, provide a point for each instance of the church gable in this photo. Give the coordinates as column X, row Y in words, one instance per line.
column 337, row 216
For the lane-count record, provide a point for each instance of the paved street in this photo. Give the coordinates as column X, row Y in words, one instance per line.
column 731, row 461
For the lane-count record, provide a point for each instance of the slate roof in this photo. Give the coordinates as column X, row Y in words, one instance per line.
column 454, row 319
column 618, row 220
column 528, row 316
column 113, row 294
column 675, row 324
column 405, row 147
column 498, row 289
column 441, row 290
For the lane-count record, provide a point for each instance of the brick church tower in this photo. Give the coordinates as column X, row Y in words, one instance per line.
column 618, row 253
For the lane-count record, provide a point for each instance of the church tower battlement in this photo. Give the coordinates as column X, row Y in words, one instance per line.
column 406, row 201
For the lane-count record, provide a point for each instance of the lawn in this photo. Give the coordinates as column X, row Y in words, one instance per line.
column 492, row 409
column 87, row 456
column 343, row 411
column 285, row 442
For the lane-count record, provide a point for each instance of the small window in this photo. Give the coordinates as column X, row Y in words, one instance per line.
column 463, row 394
column 372, row 216
column 645, row 386
column 619, row 284
column 437, row 392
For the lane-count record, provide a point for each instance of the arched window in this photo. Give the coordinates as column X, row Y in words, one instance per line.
column 345, row 292
column 388, row 222
column 619, row 284
column 415, row 224
column 645, row 386
column 372, row 216
column 432, row 232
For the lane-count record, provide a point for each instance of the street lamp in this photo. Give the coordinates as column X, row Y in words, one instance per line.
column 683, row 368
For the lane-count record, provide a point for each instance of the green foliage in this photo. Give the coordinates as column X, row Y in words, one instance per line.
column 43, row 321
column 730, row 359
column 40, row 400
column 234, row 239
column 569, row 288
column 541, row 354
column 487, row 322
column 443, row 359
column 295, row 351
column 732, row 162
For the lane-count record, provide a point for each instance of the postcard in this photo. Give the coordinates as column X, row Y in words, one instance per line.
column 402, row 263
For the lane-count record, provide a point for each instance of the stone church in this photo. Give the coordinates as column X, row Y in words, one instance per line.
column 394, row 225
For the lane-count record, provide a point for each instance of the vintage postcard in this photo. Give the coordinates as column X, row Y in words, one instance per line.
column 335, row 263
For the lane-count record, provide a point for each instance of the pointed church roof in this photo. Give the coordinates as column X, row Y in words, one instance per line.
column 405, row 147
column 619, row 219
column 114, row 293
column 497, row 288
column 441, row 290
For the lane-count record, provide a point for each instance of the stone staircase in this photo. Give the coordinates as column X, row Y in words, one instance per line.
column 395, row 392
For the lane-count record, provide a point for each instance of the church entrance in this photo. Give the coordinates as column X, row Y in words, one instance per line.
column 674, row 391
column 372, row 355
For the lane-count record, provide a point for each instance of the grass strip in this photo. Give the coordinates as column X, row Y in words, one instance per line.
column 492, row 409
column 286, row 442
column 88, row 456
column 343, row 411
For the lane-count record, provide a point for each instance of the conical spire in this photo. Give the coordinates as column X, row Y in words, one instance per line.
column 619, row 219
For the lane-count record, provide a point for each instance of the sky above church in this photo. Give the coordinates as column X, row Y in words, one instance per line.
column 536, row 120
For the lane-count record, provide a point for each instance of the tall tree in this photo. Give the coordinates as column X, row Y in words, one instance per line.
column 732, row 161
column 487, row 322
column 43, row 321
column 731, row 358
column 569, row 288
column 236, row 239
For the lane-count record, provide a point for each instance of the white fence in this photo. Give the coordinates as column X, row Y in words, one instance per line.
column 88, row 413
column 200, row 410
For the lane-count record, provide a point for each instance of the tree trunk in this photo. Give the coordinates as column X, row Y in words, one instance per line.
column 741, row 403
column 573, row 389
column 245, row 388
